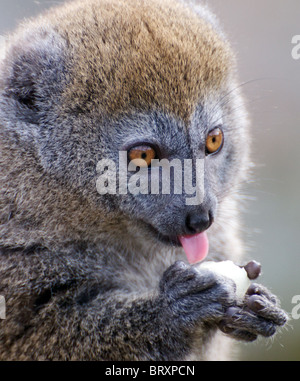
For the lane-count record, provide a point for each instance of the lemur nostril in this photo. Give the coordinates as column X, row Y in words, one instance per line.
column 198, row 222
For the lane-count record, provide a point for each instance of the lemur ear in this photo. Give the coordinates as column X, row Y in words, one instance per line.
column 32, row 70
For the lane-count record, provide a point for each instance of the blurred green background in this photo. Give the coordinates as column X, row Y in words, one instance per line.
column 261, row 32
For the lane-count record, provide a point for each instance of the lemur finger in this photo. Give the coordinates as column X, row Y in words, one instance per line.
column 237, row 334
column 243, row 320
column 258, row 289
column 173, row 271
column 241, row 335
column 266, row 309
column 184, row 276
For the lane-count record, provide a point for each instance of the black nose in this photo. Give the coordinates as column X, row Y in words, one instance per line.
column 198, row 222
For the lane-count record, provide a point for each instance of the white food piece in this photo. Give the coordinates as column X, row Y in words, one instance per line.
column 230, row 270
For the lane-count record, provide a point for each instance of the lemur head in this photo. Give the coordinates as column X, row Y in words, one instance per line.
column 150, row 78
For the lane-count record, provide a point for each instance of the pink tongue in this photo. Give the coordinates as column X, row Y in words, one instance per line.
column 195, row 247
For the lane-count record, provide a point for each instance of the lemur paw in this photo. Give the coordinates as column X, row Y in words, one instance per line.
column 193, row 296
column 259, row 314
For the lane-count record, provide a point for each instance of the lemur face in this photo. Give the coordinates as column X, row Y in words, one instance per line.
column 152, row 85
column 155, row 150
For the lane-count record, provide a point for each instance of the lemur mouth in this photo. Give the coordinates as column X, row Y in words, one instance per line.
column 195, row 246
column 168, row 240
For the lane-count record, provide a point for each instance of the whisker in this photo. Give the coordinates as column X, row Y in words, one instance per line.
column 241, row 106
column 225, row 99
column 212, row 111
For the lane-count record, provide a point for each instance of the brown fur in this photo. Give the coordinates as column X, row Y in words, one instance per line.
column 167, row 56
column 80, row 275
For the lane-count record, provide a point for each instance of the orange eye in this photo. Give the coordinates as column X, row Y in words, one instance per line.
column 141, row 156
column 214, row 141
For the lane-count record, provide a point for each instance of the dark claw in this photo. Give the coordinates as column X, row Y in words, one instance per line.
column 232, row 312
column 253, row 290
column 255, row 303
